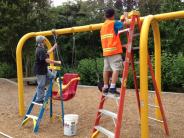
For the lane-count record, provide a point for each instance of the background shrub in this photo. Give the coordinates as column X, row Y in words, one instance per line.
column 89, row 70
column 172, row 71
column 7, row 70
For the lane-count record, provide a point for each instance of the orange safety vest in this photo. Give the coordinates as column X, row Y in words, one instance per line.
column 111, row 43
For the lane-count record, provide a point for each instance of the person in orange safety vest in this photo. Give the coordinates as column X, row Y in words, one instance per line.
column 112, row 51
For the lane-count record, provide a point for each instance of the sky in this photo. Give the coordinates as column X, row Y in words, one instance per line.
column 58, row 2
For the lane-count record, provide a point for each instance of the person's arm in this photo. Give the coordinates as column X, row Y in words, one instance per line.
column 52, row 49
column 117, row 26
column 49, row 61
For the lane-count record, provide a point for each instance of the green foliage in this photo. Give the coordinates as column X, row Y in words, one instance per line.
column 90, row 70
column 7, row 70
column 178, row 71
column 171, row 34
column 171, row 5
column 17, row 19
column 147, row 7
column 171, row 30
column 130, row 81
column 172, row 71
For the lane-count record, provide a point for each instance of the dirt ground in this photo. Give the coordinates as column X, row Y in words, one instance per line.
column 85, row 105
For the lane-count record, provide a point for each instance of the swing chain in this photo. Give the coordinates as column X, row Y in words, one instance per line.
column 73, row 51
column 59, row 57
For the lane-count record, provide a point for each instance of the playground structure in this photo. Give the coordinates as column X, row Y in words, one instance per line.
column 146, row 22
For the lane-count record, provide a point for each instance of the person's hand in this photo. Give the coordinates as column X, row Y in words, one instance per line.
column 122, row 18
column 55, row 45
column 126, row 14
column 58, row 62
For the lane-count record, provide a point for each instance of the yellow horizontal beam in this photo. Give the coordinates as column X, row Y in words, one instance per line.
column 169, row 16
column 77, row 29
column 93, row 27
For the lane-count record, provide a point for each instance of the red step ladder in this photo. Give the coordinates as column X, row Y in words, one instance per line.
column 129, row 58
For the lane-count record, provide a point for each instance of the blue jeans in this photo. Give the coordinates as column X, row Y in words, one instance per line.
column 41, row 81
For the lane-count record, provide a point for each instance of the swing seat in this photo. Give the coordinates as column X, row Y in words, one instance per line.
column 69, row 87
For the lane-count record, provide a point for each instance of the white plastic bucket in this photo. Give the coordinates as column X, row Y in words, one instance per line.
column 70, row 124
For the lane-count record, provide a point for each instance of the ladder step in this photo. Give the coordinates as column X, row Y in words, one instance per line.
column 151, row 91
column 155, row 106
column 136, row 62
column 137, row 34
column 135, row 48
column 105, row 131
column 149, row 77
column 160, row 121
column 112, row 96
column 124, row 45
column 40, row 104
column 108, row 113
column 32, row 117
column 124, row 30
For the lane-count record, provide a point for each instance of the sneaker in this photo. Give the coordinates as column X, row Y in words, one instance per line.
column 100, row 86
column 105, row 90
column 114, row 91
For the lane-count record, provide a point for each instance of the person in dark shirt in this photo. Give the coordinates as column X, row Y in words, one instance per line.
column 40, row 68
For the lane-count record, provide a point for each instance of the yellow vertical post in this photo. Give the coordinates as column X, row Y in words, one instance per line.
column 20, row 70
column 157, row 47
column 144, row 75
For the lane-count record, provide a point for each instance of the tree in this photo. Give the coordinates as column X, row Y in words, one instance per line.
column 18, row 18
column 147, row 7
column 171, row 31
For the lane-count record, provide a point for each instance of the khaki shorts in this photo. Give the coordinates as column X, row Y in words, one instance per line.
column 113, row 63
